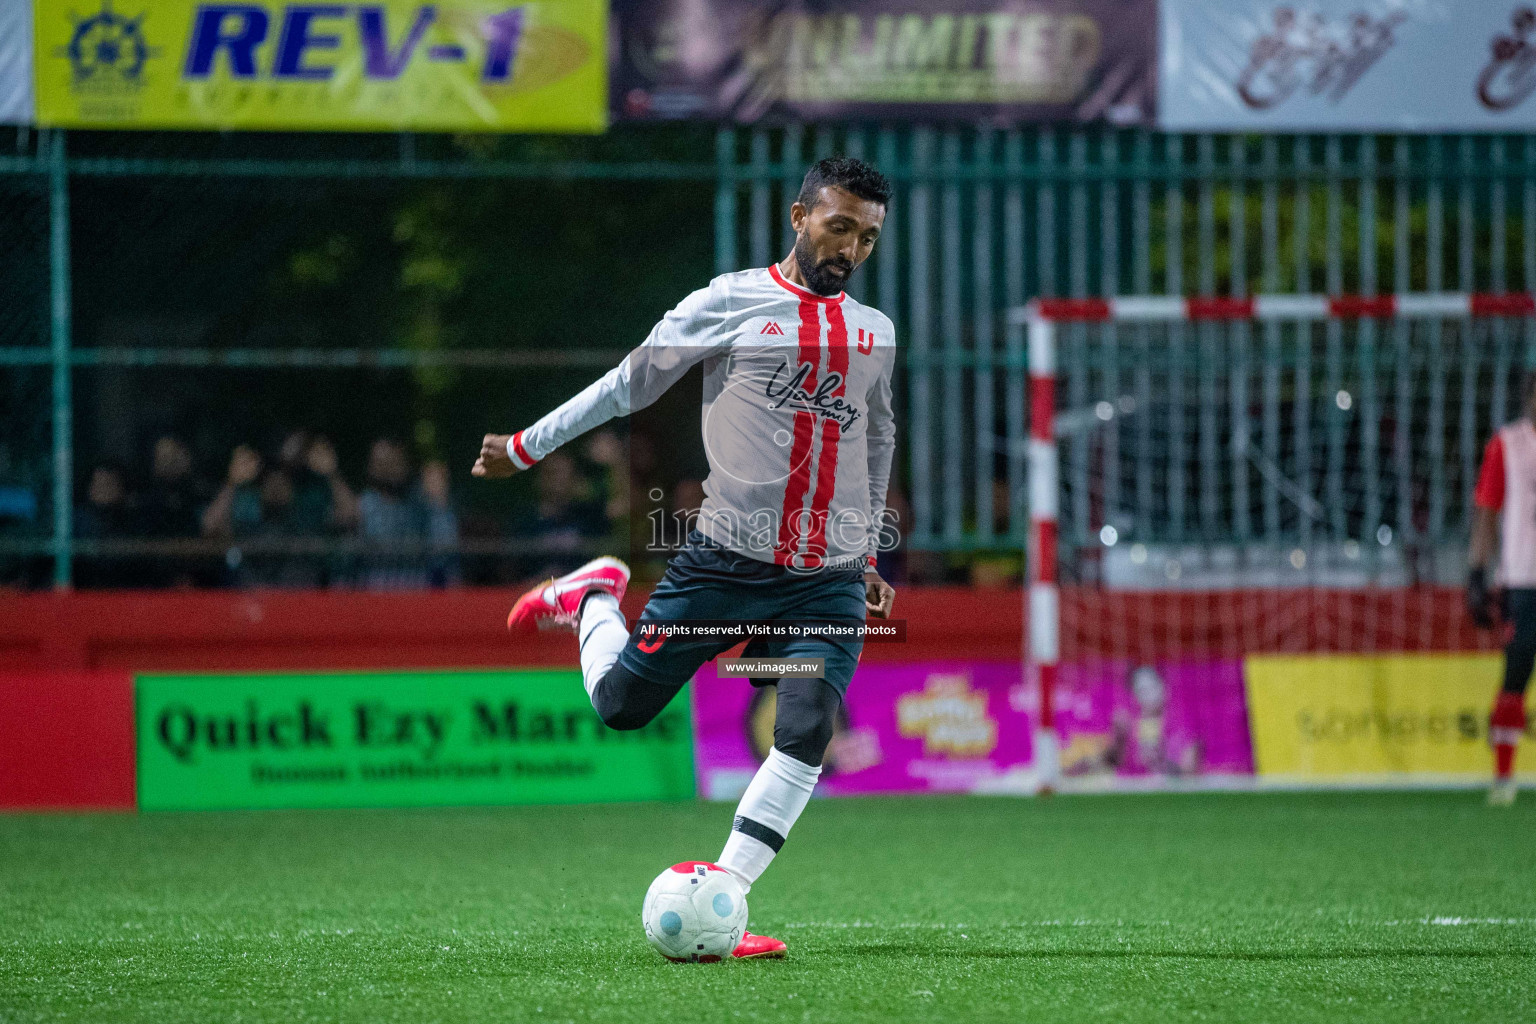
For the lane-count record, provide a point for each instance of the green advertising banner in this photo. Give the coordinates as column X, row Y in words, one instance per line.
column 396, row 739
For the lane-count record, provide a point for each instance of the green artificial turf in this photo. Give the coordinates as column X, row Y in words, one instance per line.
column 1232, row 908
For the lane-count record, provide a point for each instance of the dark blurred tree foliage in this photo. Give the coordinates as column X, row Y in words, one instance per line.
column 231, row 261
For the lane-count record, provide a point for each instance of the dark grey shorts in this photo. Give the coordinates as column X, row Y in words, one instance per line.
column 705, row 581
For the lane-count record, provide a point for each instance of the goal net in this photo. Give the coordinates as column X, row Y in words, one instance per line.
column 1211, row 479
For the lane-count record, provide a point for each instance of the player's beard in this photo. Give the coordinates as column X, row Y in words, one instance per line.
column 817, row 278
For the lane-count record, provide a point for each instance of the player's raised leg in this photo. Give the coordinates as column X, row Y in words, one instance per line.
column 587, row 601
column 556, row 603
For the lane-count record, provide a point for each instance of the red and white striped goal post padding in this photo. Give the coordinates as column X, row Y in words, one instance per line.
column 1043, row 637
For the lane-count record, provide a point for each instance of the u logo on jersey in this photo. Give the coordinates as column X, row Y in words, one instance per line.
column 866, row 342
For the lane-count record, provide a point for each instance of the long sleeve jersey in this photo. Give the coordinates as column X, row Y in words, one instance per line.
column 797, row 419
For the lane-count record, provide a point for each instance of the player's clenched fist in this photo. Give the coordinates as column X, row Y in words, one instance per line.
column 494, row 462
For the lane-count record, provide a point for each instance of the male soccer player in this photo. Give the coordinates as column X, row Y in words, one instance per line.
column 799, row 435
column 1507, row 485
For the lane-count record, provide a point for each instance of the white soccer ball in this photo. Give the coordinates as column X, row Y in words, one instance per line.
column 695, row 912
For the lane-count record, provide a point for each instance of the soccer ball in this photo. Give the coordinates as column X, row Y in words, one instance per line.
column 695, row 912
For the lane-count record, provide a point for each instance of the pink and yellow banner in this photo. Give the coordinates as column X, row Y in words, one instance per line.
column 966, row 727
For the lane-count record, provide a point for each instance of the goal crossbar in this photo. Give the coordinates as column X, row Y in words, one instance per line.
column 1042, row 316
column 1171, row 308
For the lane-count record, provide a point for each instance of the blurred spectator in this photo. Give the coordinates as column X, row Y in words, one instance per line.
column 18, row 502
column 645, row 507
column 322, row 503
column 169, row 504
column 19, row 516
column 257, row 505
column 606, row 451
column 168, row 510
column 237, row 506
column 442, row 526
column 291, row 453
column 567, row 516
column 393, row 522
column 107, row 514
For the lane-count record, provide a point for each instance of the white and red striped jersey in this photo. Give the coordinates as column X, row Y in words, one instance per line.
column 797, row 417
column 1507, row 484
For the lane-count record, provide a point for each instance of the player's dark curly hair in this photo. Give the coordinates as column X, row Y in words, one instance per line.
column 845, row 172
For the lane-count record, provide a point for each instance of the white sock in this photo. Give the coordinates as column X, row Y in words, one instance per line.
column 768, row 809
column 603, row 634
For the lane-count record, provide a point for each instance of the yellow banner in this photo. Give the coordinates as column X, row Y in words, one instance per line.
column 1316, row 717
column 386, row 65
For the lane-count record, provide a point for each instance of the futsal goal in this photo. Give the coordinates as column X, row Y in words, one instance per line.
column 1211, row 478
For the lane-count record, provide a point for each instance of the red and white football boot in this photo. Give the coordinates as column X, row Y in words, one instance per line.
column 556, row 603
column 759, row 947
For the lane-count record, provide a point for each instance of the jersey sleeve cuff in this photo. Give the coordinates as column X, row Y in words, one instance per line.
column 517, row 453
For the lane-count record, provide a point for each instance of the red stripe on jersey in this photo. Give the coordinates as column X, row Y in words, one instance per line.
column 799, row 482
column 805, row 432
column 1490, row 482
column 831, row 431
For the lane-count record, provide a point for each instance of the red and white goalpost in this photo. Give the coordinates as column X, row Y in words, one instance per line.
column 1045, row 320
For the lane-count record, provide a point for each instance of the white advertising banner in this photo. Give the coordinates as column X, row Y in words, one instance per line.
column 1347, row 65
column 16, row 100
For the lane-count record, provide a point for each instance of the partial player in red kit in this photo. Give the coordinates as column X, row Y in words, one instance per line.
column 1505, row 519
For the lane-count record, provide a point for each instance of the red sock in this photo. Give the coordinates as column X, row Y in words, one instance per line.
column 1504, row 728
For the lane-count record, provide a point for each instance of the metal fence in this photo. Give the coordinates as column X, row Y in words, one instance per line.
column 983, row 220
column 208, row 280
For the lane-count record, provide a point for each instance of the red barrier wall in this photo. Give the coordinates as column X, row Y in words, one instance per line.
column 66, row 739
column 253, row 630
column 66, row 692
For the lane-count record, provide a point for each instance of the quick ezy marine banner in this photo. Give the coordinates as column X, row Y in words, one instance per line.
column 385, row 65
column 396, row 739
column 1347, row 65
